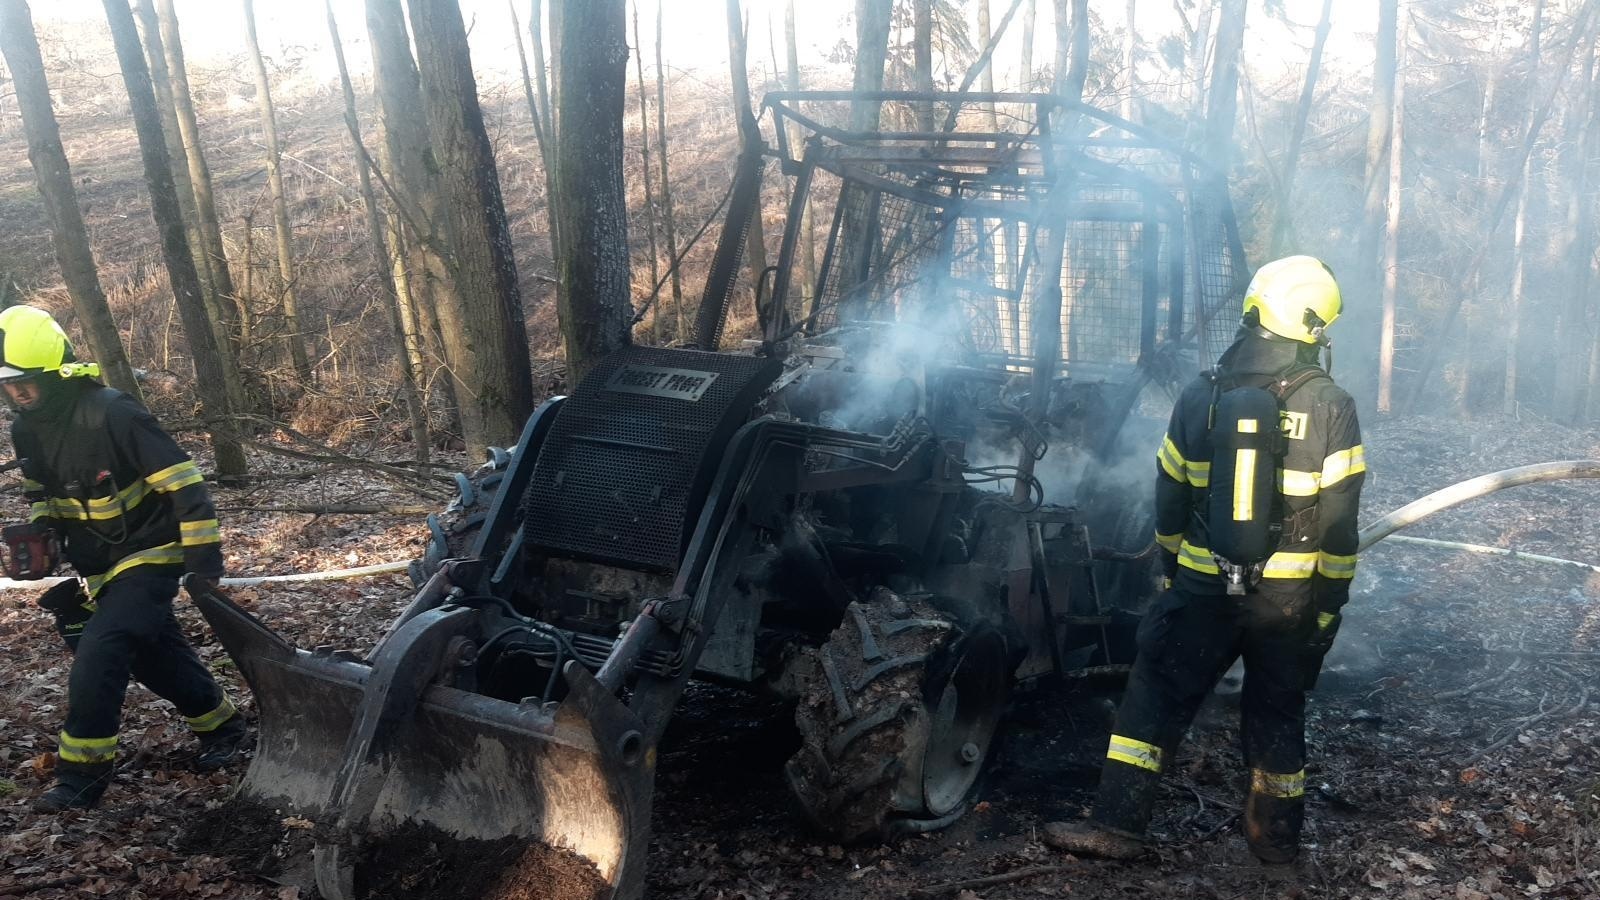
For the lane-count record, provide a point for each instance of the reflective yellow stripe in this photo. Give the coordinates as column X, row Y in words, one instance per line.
column 37, row 511
column 1333, row 565
column 1290, row 565
column 1339, row 466
column 173, row 478
column 99, row 508
column 1324, row 620
column 1172, row 462
column 165, row 554
column 1200, row 474
column 205, row 531
column 86, row 750
column 1197, row 558
column 1247, row 426
column 1295, row 483
column 1169, row 542
column 1244, row 482
column 28, row 484
column 1134, row 753
column 212, row 720
column 1284, row 786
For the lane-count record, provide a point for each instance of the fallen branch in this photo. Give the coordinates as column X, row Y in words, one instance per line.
column 1015, row 875
column 44, row 884
column 1491, row 681
column 1495, row 551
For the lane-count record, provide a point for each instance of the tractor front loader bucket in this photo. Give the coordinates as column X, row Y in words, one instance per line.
column 379, row 749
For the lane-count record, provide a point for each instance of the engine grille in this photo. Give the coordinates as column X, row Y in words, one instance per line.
column 628, row 461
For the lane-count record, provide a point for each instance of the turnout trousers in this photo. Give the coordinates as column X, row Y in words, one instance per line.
column 133, row 633
column 1186, row 642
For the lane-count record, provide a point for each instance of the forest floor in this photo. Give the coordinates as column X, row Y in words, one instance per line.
column 1455, row 738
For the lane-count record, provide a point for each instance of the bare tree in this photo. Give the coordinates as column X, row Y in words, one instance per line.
column 486, row 337
column 293, row 336
column 1364, row 326
column 649, row 188
column 792, row 51
column 595, row 310
column 381, row 261
column 1391, row 241
column 872, row 51
column 197, row 329
column 922, row 55
column 1519, row 231
column 537, row 113
column 986, row 80
column 1222, row 99
column 1578, row 251
column 669, row 225
column 1130, row 45
column 1283, row 220
column 200, row 180
column 54, row 175
column 755, row 245
column 1030, row 20
column 1072, row 48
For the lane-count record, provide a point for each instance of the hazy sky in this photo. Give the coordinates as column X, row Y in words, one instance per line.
column 695, row 31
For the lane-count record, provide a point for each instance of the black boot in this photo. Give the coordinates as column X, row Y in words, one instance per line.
column 1273, row 815
column 1122, row 809
column 78, row 786
column 220, row 746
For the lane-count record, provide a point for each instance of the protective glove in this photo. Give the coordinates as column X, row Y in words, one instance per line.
column 1169, row 568
column 69, row 605
column 1330, row 596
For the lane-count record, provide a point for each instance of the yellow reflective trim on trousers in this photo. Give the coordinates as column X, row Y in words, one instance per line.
column 37, row 511
column 1197, row 558
column 1343, row 464
column 175, row 477
column 86, row 750
column 1332, row 565
column 205, row 531
column 165, row 554
column 1324, row 620
column 1169, row 542
column 212, row 720
column 1290, row 565
column 1295, row 483
column 1286, row 787
column 1244, row 484
column 1134, row 753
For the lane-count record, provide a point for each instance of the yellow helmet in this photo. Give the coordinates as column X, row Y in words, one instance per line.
column 1295, row 297
column 31, row 343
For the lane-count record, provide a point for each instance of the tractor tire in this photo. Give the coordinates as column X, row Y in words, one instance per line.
column 897, row 720
column 451, row 532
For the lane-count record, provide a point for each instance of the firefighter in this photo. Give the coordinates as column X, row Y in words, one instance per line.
column 1281, row 612
column 132, row 514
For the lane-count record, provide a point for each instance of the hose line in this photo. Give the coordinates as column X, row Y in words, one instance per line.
column 1471, row 489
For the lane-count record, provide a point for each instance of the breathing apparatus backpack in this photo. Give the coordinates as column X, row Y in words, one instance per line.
column 1244, row 507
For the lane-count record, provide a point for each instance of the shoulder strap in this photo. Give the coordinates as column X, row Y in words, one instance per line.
column 1293, row 379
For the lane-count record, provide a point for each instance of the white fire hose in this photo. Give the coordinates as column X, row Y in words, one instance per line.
column 1405, row 516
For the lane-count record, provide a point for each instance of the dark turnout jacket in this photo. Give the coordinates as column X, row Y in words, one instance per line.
column 115, row 486
column 1319, row 480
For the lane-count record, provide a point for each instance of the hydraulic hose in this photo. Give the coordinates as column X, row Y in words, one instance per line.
column 1473, row 488
column 6, row 584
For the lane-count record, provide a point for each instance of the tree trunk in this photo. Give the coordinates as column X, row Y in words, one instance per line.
column 1072, row 48
column 1222, row 101
column 486, row 337
column 649, row 187
column 197, row 329
column 921, row 52
column 595, row 315
column 755, row 245
column 808, row 238
column 1030, row 22
column 1283, row 221
column 247, row 296
column 1364, row 328
column 536, row 113
column 380, row 250
column 669, row 225
column 872, row 51
column 1391, row 242
column 200, row 178
column 986, row 80
column 1519, row 230
column 411, row 180
column 1130, row 44
column 54, row 174
column 1578, row 250
column 294, row 337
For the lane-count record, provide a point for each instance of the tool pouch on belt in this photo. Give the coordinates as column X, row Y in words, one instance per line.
column 30, row 551
column 69, row 604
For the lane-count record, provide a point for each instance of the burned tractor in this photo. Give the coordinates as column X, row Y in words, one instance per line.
column 896, row 501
